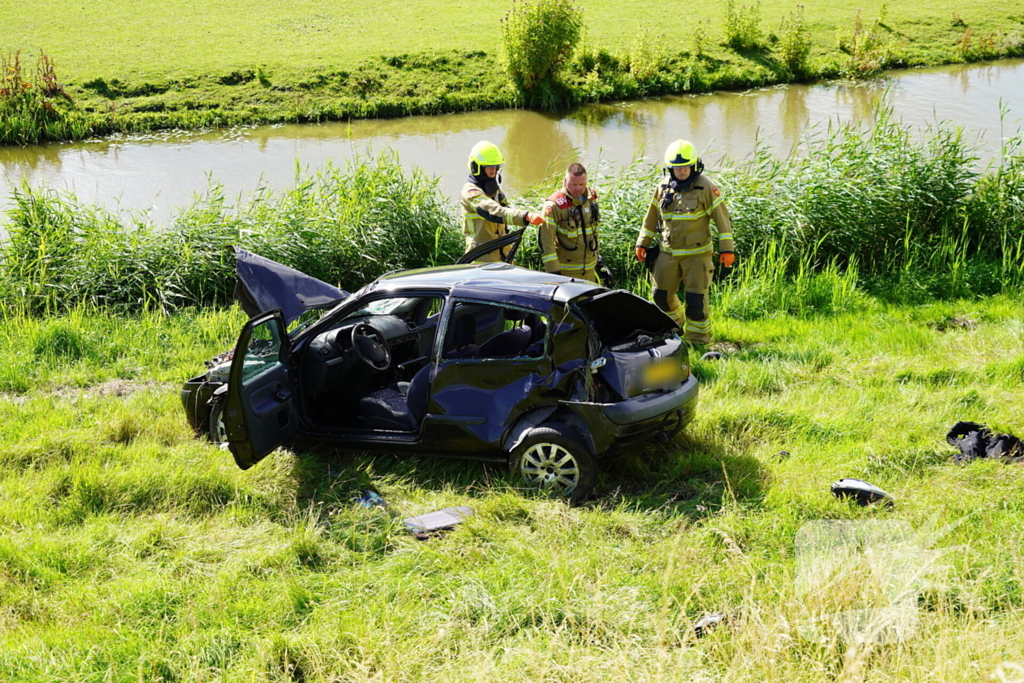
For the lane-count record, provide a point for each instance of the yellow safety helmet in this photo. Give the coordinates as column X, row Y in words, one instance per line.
column 681, row 153
column 484, row 154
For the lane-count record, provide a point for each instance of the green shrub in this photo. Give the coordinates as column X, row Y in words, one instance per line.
column 539, row 38
column 41, row 109
column 743, row 25
column 868, row 48
column 695, row 70
column 646, row 56
column 698, row 43
column 794, row 44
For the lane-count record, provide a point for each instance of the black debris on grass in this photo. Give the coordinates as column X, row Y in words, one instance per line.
column 975, row 441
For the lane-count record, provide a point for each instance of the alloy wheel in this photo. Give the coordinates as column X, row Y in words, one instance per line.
column 550, row 467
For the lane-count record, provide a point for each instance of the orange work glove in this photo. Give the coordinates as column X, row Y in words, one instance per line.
column 641, row 254
column 534, row 218
column 727, row 258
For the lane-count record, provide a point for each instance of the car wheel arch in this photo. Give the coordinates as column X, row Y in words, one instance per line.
column 544, row 417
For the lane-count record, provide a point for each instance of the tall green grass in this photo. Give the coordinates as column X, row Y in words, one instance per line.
column 345, row 225
column 884, row 209
column 130, row 551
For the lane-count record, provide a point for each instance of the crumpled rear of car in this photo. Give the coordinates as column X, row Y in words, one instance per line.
column 640, row 371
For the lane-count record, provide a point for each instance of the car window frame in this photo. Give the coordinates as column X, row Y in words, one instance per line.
column 356, row 301
column 449, row 310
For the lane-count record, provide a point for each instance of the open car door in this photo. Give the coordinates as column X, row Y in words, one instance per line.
column 513, row 238
column 262, row 285
column 260, row 411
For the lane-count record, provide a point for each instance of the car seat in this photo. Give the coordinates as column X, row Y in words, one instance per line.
column 401, row 406
column 525, row 340
column 508, row 344
column 538, row 328
column 462, row 342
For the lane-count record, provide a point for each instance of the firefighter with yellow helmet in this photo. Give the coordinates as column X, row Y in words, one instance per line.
column 681, row 212
column 486, row 210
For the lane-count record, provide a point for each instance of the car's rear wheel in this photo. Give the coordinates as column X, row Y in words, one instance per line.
column 555, row 459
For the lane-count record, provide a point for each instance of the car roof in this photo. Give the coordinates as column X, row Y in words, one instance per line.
column 476, row 279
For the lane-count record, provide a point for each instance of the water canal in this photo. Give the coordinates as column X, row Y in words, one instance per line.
column 157, row 173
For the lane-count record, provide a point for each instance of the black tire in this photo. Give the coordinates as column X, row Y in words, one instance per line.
column 217, row 433
column 555, row 458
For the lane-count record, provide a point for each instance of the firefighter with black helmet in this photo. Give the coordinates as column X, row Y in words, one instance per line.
column 484, row 206
column 682, row 209
column 568, row 235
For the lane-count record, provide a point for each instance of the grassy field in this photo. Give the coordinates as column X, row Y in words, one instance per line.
column 149, row 40
column 148, row 65
column 875, row 305
column 132, row 552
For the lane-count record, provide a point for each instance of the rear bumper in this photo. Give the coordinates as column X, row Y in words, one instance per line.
column 639, row 418
column 647, row 406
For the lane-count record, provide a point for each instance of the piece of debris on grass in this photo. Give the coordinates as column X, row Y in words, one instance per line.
column 861, row 491
column 955, row 322
column 975, row 441
column 425, row 526
column 370, row 499
column 708, row 623
column 725, row 347
column 712, row 355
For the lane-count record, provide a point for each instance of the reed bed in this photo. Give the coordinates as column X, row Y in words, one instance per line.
column 880, row 210
column 345, row 225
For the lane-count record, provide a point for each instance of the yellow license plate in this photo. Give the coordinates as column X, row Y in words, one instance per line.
column 662, row 373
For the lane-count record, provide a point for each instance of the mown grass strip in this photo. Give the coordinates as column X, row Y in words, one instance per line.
column 308, row 66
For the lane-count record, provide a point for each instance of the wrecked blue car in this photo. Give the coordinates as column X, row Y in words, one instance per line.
column 476, row 361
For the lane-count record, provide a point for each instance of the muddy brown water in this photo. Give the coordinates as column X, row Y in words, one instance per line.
column 157, row 173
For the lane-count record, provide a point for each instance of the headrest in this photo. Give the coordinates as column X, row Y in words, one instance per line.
column 465, row 331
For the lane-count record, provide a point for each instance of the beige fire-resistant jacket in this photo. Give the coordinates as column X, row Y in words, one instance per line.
column 684, row 220
column 569, row 235
column 486, row 218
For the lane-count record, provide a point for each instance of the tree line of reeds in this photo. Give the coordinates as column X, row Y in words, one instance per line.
column 880, row 210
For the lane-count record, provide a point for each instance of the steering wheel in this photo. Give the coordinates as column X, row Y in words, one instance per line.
column 370, row 347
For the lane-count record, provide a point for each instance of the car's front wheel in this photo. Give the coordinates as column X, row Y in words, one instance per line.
column 218, row 433
column 555, row 459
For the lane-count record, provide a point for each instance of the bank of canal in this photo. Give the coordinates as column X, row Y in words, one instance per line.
column 159, row 172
